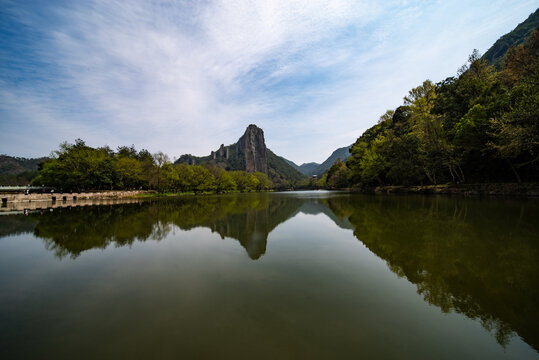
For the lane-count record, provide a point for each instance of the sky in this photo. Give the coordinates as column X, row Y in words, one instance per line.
column 186, row 76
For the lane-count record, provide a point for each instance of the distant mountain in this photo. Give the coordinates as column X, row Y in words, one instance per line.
column 250, row 154
column 312, row 168
column 17, row 170
column 341, row 153
column 306, row 169
column 293, row 164
column 515, row 37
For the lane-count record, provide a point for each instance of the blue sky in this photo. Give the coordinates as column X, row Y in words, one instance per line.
column 185, row 76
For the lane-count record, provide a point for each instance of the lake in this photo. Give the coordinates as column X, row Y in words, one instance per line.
column 297, row 275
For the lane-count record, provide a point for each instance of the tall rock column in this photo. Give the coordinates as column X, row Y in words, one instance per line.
column 253, row 146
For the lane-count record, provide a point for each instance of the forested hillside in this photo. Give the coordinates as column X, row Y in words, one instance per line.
column 480, row 126
column 17, row 170
column 495, row 54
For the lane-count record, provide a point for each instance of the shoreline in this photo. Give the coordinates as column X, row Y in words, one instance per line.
column 39, row 201
column 33, row 201
column 481, row 189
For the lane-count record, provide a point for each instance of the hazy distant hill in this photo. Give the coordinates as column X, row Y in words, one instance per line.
column 515, row 37
column 306, row 168
column 250, row 154
column 310, row 169
column 16, row 170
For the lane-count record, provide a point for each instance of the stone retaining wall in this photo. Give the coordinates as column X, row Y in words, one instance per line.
column 21, row 206
column 35, row 199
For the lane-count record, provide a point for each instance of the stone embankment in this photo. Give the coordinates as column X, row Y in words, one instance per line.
column 11, row 202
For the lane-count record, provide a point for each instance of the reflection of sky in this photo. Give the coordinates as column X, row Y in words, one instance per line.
column 317, row 293
column 183, row 77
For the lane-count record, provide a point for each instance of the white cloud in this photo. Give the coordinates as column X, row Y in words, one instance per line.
column 184, row 77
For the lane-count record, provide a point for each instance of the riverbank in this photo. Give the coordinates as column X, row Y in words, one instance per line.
column 12, row 208
column 37, row 201
column 500, row 189
column 44, row 200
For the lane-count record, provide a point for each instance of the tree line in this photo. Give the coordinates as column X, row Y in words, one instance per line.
column 480, row 126
column 80, row 167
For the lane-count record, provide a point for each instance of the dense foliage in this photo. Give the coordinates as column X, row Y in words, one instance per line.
column 78, row 166
column 482, row 126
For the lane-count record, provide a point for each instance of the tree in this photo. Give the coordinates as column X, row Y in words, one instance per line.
column 223, row 180
column 202, row 179
column 337, row 175
column 434, row 149
column 244, row 181
column 185, row 175
column 77, row 166
column 264, row 183
column 160, row 159
column 516, row 132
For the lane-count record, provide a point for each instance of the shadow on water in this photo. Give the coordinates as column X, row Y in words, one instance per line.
column 477, row 257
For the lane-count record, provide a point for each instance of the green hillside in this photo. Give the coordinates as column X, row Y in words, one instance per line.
column 515, row 37
column 18, row 171
column 279, row 170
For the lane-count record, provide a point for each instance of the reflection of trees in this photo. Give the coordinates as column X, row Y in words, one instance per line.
column 248, row 218
column 16, row 224
column 72, row 231
column 479, row 259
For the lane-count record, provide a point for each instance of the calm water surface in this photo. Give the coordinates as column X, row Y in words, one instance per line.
column 307, row 275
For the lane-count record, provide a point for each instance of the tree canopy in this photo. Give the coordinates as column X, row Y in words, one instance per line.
column 78, row 166
column 481, row 126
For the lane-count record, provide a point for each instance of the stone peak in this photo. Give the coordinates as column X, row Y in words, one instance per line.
column 253, row 147
column 253, row 127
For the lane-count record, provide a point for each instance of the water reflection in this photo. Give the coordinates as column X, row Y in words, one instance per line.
column 71, row 231
column 476, row 257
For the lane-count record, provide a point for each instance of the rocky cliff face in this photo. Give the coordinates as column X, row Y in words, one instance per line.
column 249, row 154
column 253, row 147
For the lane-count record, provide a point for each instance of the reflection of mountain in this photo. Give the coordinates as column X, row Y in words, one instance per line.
column 249, row 218
column 475, row 257
column 253, row 226
column 317, row 207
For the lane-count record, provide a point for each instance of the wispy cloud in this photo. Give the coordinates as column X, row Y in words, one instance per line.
column 182, row 76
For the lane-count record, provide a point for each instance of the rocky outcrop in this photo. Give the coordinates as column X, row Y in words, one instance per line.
column 189, row 159
column 253, row 148
column 249, row 154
